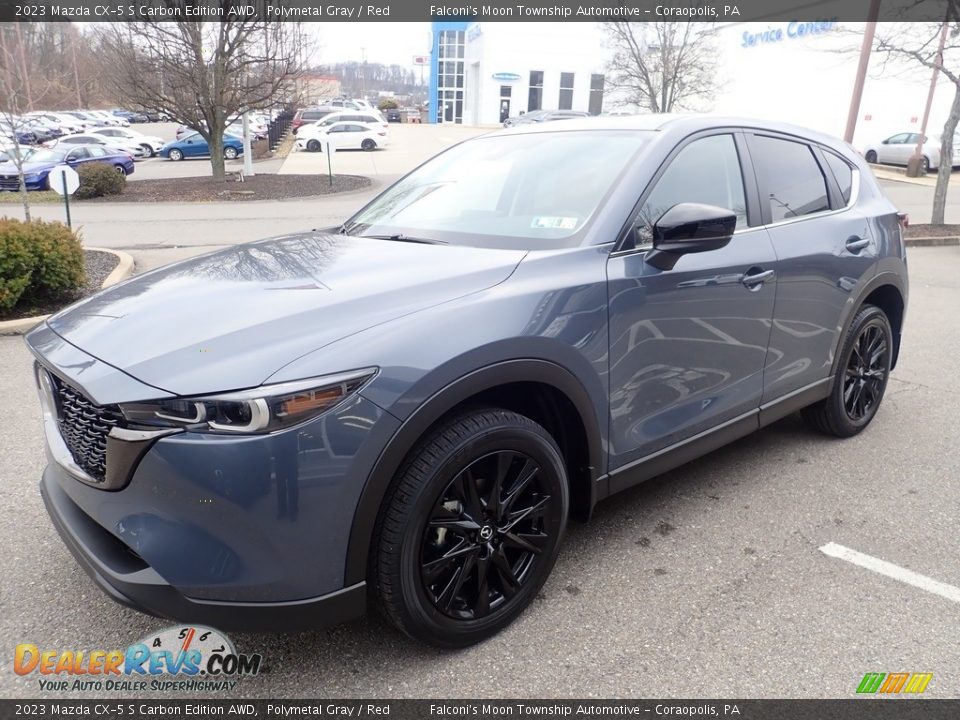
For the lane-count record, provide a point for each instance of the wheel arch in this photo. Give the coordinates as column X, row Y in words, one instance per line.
column 888, row 291
column 540, row 389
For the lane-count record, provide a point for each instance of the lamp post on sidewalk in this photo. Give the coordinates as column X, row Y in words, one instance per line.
column 916, row 164
column 865, row 47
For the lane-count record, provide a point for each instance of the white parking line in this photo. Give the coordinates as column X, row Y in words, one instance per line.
column 896, row 572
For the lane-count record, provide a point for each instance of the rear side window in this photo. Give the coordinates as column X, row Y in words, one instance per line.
column 842, row 174
column 791, row 178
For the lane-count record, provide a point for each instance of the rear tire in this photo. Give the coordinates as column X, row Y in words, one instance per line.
column 120, row 170
column 861, row 380
column 924, row 165
column 470, row 528
column 368, row 145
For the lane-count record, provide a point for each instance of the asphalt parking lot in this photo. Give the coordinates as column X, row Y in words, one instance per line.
column 707, row 582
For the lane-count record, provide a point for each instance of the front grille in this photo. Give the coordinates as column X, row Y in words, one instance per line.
column 9, row 182
column 84, row 426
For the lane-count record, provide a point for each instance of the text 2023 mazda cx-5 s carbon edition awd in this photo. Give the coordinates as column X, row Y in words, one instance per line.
column 409, row 407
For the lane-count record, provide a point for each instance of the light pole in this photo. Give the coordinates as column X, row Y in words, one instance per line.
column 915, row 164
column 865, row 47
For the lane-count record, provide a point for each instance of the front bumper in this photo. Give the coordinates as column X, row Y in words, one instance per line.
column 238, row 531
column 128, row 580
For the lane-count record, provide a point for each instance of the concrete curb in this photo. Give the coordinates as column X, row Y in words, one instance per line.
column 122, row 271
column 895, row 173
column 932, row 241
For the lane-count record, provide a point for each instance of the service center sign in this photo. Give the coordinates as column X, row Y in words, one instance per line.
column 790, row 31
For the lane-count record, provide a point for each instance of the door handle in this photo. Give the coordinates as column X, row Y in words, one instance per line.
column 856, row 244
column 752, row 281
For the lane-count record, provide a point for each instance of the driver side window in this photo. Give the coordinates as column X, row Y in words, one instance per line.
column 706, row 171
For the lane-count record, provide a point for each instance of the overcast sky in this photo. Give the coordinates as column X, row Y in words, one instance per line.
column 383, row 42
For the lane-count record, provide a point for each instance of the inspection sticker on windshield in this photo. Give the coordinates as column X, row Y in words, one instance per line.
column 555, row 223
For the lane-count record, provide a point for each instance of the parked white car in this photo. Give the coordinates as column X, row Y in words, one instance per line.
column 342, row 136
column 898, row 149
column 150, row 144
column 129, row 147
column 373, row 118
column 66, row 123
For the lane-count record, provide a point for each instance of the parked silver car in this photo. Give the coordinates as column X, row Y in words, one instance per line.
column 898, row 149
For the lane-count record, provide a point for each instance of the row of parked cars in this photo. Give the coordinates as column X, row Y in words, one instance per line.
column 361, row 127
column 47, row 138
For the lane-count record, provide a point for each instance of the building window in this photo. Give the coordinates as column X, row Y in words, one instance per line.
column 450, row 76
column 596, row 94
column 566, row 91
column 535, row 100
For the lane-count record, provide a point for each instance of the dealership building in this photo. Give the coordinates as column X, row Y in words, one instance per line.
column 799, row 72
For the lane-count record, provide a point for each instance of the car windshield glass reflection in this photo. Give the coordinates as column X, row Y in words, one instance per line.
column 531, row 191
column 48, row 156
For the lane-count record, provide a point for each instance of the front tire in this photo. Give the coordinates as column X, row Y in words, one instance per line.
column 471, row 528
column 871, row 156
column 313, row 146
column 176, row 155
column 861, row 382
column 147, row 150
column 121, row 171
column 230, row 153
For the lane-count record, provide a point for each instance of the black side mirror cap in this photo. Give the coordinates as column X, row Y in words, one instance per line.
column 690, row 228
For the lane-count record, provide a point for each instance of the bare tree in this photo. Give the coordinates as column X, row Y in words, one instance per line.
column 662, row 66
column 19, row 93
column 203, row 73
column 918, row 43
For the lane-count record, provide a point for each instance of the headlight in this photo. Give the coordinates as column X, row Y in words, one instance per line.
column 260, row 410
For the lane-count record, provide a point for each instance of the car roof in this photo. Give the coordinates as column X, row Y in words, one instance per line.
column 662, row 122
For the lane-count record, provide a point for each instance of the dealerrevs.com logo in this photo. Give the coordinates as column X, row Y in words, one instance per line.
column 181, row 657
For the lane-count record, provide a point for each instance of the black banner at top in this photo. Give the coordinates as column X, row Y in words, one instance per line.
column 478, row 10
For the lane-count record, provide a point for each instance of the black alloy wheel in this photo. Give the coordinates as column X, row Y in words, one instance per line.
column 858, row 388
column 866, row 373
column 470, row 528
column 484, row 535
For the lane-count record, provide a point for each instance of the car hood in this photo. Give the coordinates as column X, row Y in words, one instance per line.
column 8, row 168
column 229, row 320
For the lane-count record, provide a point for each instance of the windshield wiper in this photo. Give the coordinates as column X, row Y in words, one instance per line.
column 406, row 238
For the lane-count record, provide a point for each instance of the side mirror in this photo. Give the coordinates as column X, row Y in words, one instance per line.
column 689, row 228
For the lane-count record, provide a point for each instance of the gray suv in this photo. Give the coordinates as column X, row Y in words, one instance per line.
column 408, row 408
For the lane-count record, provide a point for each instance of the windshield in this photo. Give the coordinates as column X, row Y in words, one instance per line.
column 46, row 156
column 529, row 191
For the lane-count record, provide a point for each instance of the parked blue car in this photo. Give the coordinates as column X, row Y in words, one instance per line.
column 194, row 145
column 37, row 170
column 407, row 408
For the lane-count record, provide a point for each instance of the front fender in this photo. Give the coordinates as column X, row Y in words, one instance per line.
column 435, row 395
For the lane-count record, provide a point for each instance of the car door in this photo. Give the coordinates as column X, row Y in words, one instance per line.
column 891, row 150
column 194, row 146
column 688, row 344
column 824, row 249
column 77, row 156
